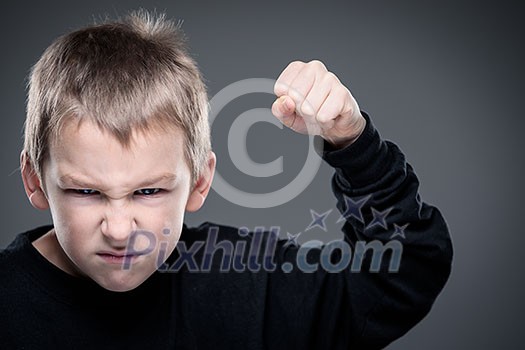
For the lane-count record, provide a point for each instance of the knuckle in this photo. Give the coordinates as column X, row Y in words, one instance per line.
column 280, row 88
column 322, row 118
column 330, row 77
column 342, row 91
column 317, row 64
column 339, row 90
column 296, row 94
column 296, row 64
column 307, row 108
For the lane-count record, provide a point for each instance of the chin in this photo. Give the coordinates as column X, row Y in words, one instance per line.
column 120, row 288
column 121, row 284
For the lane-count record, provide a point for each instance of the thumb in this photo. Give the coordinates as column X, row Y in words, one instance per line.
column 284, row 109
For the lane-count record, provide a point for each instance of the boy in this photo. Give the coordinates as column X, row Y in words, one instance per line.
column 117, row 148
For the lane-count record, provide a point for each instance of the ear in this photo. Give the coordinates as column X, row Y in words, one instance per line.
column 32, row 184
column 202, row 186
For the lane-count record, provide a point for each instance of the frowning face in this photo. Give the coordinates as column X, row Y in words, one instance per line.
column 100, row 192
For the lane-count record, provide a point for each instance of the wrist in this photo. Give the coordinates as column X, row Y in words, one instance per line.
column 357, row 130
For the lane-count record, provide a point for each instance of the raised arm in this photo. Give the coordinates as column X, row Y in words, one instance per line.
column 399, row 246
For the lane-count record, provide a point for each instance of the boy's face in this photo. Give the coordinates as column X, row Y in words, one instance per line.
column 99, row 192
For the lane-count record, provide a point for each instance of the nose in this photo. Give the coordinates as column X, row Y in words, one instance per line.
column 117, row 225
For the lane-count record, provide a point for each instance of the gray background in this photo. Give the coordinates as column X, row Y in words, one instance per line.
column 442, row 79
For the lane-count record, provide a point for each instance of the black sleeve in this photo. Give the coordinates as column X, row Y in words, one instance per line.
column 399, row 247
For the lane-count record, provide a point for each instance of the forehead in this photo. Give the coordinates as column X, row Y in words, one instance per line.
column 83, row 149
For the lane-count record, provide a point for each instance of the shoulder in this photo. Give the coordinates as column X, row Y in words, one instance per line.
column 22, row 242
column 203, row 230
column 209, row 235
column 13, row 251
column 212, row 248
column 18, row 257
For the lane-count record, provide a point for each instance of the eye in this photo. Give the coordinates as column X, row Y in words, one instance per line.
column 85, row 192
column 148, row 191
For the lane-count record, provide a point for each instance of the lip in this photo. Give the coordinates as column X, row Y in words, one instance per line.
column 117, row 258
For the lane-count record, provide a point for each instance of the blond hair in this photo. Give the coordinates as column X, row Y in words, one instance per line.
column 127, row 75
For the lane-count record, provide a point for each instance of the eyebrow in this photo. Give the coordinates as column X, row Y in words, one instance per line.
column 75, row 181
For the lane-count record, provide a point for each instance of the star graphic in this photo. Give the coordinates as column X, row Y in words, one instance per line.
column 318, row 219
column 399, row 231
column 292, row 239
column 379, row 218
column 353, row 208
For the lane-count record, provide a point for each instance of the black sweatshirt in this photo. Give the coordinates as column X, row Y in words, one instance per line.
column 360, row 293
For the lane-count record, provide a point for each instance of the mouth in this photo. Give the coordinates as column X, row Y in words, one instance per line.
column 117, row 258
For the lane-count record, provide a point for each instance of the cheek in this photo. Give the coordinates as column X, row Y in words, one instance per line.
column 166, row 222
column 74, row 227
column 169, row 212
column 166, row 243
column 74, row 217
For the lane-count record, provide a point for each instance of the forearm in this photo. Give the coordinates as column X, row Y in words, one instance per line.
column 377, row 193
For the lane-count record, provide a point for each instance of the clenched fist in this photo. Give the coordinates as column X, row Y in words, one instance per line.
column 312, row 100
